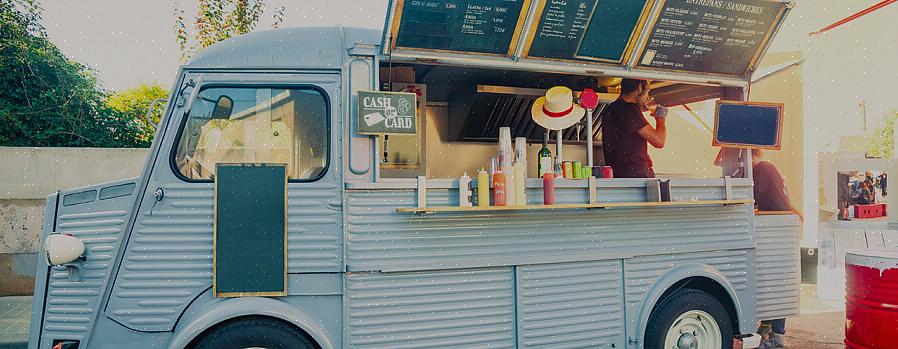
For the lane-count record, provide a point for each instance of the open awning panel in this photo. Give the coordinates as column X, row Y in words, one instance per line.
column 655, row 39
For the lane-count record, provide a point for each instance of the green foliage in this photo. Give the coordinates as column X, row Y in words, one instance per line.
column 47, row 99
column 881, row 144
column 133, row 104
column 219, row 20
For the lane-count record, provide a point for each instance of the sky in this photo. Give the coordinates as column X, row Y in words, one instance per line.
column 129, row 42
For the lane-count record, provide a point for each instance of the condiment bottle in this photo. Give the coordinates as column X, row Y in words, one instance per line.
column 464, row 190
column 508, row 173
column 520, row 176
column 499, row 188
column 548, row 188
column 483, row 188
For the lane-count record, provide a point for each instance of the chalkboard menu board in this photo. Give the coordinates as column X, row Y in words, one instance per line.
column 611, row 28
column 480, row 26
column 711, row 36
column 746, row 124
column 250, row 230
column 585, row 29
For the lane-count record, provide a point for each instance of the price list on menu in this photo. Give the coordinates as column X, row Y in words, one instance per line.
column 711, row 36
column 561, row 28
column 585, row 29
column 482, row 26
column 611, row 28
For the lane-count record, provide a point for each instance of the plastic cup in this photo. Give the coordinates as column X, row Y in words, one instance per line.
column 587, row 172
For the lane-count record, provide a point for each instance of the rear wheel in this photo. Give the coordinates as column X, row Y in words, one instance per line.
column 689, row 319
column 254, row 332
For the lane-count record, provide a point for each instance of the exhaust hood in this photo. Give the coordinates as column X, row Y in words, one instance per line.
column 477, row 116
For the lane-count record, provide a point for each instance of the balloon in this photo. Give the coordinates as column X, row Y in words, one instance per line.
column 589, row 99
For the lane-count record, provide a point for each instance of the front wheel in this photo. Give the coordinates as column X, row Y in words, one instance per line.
column 689, row 319
column 254, row 332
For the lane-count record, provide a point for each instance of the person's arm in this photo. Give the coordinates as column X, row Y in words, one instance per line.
column 656, row 136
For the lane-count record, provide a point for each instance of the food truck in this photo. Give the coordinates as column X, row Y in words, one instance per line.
column 310, row 188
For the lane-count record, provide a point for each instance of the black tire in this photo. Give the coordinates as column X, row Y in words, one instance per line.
column 250, row 332
column 680, row 302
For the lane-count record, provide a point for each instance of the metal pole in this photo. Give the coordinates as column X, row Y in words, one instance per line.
column 558, row 146
column 589, row 138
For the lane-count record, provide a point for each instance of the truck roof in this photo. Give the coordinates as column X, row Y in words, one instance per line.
column 288, row 48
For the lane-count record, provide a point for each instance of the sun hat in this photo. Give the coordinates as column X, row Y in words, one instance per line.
column 556, row 110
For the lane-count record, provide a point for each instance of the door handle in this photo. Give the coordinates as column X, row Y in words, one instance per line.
column 74, row 271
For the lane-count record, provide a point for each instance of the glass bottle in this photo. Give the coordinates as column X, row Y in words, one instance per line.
column 544, row 158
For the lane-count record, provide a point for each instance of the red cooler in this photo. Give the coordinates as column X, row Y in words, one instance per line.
column 871, row 296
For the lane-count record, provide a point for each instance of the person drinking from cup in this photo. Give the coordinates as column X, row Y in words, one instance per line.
column 626, row 133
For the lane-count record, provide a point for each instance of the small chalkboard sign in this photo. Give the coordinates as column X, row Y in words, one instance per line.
column 250, row 230
column 711, row 36
column 469, row 26
column 748, row 125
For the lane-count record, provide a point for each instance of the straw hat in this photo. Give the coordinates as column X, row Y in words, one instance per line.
column 556, row 110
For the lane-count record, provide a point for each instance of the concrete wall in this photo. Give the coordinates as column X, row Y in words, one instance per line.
column 27, row 176
column 34, row 173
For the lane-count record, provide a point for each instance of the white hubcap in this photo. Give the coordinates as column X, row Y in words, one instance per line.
column 694, row 329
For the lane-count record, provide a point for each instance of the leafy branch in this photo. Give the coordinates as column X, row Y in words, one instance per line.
column 218, row 20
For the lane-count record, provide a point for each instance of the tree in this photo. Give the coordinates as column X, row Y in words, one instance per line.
column 132, row 104
column 45, row 98
column 881, row 144
column 219, row 20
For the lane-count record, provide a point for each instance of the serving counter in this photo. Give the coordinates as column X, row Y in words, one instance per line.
column 384, row 236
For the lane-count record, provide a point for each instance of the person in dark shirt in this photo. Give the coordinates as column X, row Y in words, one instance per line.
column 865, row 194
column 771, row 194
column 626, row 133
column 770, row 189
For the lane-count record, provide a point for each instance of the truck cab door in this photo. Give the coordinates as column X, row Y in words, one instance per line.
column 274, row 117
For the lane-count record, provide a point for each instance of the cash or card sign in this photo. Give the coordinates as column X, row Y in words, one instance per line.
column 387, row 113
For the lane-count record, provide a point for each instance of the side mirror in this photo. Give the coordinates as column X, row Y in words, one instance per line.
column 223, row 107
column 62, row 249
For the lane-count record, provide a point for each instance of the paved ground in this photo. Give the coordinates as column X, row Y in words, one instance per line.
column 816, row 331
column 821, row 325
column 15, row 314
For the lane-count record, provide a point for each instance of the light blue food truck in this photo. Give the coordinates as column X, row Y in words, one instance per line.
column 266, row 217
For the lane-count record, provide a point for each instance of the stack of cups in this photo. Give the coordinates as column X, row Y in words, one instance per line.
column 505, row 151
column 520, row 170
column 505, row 164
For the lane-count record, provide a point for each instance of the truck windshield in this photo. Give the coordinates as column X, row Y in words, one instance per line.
column 260, row 125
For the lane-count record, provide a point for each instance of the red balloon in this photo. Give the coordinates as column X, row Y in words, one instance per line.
column 589, row 99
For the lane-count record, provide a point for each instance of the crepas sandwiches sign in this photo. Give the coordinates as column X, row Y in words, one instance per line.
column 387, row 113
